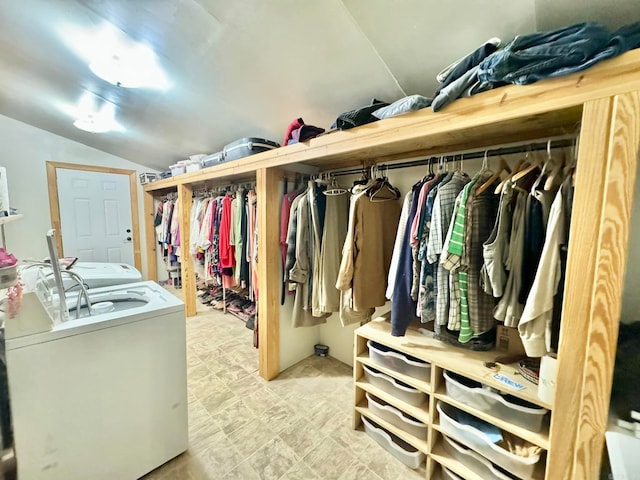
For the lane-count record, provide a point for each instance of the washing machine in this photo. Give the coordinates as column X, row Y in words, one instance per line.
column 102, row 396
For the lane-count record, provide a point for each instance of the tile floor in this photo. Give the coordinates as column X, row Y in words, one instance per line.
column 296, row 427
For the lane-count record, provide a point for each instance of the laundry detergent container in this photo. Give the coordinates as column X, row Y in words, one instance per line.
column 399, row 362
column 396, row 417
column 507, row 407
column 394, row 387
column 400, row 449
column 473, row 461
column 472, row 437
column 247, row 146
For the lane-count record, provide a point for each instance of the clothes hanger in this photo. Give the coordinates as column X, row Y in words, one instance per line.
column 527, row 170
column 383, row 185
column 504, row 167
column 335, row 189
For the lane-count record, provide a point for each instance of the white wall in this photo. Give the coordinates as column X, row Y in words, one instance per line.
column 631, row 295
column 25, row 151
column 296, row 344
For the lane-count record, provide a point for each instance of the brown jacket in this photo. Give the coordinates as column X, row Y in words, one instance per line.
column 367, row 251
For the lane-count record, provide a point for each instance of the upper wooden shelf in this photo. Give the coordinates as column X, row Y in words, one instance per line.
column 509, row 114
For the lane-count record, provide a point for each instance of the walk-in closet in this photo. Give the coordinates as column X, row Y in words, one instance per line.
column 595, row 126
column 338, row 240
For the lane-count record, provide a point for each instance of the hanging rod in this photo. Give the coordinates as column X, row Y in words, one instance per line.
column 511, row 149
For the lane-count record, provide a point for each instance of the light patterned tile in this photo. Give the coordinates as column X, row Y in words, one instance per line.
column 219, row 400
column 259, row 401
column 250, row 437
column 280, row 416
column 197, row 372
column 300, row 471
column 273, row 460
column 358, row 471
column 244, row 471
column 300, row 437
column 204, row 386
column 221, row 456
column 197, row 414
column 234, row 416
column 201, row 436
column 328, row 459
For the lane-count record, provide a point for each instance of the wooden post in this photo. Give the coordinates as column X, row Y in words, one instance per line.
column 269, row 270
column 605, row 180
column 186, row 260
column 150, row 237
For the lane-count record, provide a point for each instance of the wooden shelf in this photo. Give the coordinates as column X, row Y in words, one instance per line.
column 10, row 218
column 540, row 439
column 418, row 443
column 439, row 455
column 464, row 362
column 512, row 113
column 416, row 412
column 414, row 382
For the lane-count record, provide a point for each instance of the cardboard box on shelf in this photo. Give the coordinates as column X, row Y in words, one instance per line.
column 508, row 340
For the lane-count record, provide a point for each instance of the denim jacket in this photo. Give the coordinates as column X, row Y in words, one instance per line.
column 529, row 58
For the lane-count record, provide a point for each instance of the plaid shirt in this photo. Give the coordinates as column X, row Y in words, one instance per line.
column 443, row 208
column 452, row 256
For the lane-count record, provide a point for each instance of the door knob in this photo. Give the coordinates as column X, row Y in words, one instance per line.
column 128, row 230
column 129, row 239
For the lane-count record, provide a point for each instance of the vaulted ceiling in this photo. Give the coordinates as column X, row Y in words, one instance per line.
column 248, row 67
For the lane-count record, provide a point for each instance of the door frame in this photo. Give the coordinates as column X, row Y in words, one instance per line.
column 54, row 203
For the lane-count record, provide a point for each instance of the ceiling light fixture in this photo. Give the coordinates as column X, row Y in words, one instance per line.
column 117, row 59
column 94, row 119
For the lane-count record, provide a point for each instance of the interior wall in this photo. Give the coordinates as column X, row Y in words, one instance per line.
column 25, row 151
column 631, row 293
column 612, row 13
column 296, row 344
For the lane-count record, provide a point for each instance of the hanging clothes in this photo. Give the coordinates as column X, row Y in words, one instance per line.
column 443, row 208
column 397, row 245
column 403, row 307
column 496, row 249
column 334, row 235
column 317, row 209
column 348, row 314
column 509, row 309
column 535, row 325
column 451, row 259
column 302, row 270
column 227, row 253
column 483, row 215
column 427, row 281
column 367, row 255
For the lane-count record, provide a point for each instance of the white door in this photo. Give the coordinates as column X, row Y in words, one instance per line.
column 95, row 216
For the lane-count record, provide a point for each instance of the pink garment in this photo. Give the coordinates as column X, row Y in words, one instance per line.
column 422, row 198
column 297, row 123
column 227, row 251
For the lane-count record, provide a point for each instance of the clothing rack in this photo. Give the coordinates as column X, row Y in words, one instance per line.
column 220, row 190
column 511, row 149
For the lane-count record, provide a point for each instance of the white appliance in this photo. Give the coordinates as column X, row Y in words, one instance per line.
column 103, row 396
column 101, row 274
column 94, row 274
